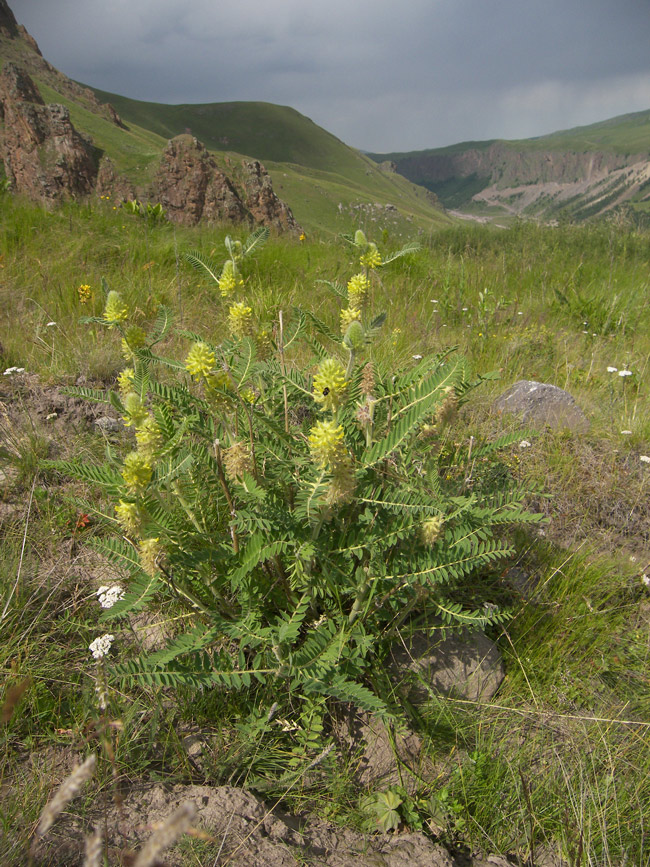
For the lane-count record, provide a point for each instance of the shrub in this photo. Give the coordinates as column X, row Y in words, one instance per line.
column 293, row 493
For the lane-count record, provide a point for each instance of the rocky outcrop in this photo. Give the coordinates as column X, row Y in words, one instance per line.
column 265, row 207
column 191, row 187
column 110, row 181
column 8, row 24
column 44, row 156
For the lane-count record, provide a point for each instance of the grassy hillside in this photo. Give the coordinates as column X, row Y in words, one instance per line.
column 559, row 760
column 311, row 169
column 328, row 185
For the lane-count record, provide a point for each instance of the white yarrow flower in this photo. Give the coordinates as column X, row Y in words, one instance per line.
column 525, row 444
column 626, row 433
column 645, row 579
column 611, row 369
column 108, row 596
column 100, row 646
column 416, row 357
column 625, row 373
column 645, row 459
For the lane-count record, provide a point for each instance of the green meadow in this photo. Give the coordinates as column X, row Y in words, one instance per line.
column 559, row 760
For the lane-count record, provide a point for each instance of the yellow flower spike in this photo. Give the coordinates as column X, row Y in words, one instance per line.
column 230, row 279
column 125, row 381
column 263, row 344
column 128, row 517
column 448, row 409
column 135, row 411
column 357, row 289
column 341, row 487
column 151, row 552
column 371, row 258
column 84, row 292
column 240, row 320
column 149, row 438
column 115, row 310
column 329, row 384
column 348, row 316
column 200, row 360
column 326, row 444
column 237, row 461
column 136, row 472
column 431, row 529
column 134, row 338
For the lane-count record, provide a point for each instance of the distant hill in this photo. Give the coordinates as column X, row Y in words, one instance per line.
column 580, row 173
column 327, row 184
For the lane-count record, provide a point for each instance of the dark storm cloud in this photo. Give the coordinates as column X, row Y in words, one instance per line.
column 378, row 74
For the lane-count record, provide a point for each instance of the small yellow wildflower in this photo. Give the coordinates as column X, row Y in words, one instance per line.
column 303, row 237
column 349, row 315
column 240, row 320
column 230, row 279
column 136, row 472
column 151, row 552
column 125, row 381
column 115, row 310
column 135, row 411
column 149, row 438
column 329, row 384
column 357, row 288
column 371, row 258
column 200, row 360
column 128, row 517
column 84, row 292
column 326, row 443
column 134, row 338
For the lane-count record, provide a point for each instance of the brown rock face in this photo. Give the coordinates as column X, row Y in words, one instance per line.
column 267, row 209
column 109, row 181
column 45, row 157
column 8, row 24
column 190, row 186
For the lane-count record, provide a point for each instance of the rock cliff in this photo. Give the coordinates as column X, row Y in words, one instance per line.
column 190, row 186
column 44, row 156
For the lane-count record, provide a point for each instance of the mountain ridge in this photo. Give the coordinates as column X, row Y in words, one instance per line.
column 578, row 173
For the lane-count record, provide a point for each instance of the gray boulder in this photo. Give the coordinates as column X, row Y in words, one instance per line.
column 538, row 405
column 462, row 664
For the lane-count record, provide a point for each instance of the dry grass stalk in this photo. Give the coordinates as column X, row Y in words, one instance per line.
column 94, row 847
column 68, row 790
column 166, row 835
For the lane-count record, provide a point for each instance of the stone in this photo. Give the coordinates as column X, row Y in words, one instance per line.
column 380, row 758
column 108, row 424
column 463, row 664
column 191, row 187
column 45, row 158
column 539, row 405
column 266, row 208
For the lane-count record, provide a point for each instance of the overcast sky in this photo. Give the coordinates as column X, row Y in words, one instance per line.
column 382, row 75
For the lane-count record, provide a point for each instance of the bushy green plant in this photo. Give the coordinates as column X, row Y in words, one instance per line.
column 292, row 492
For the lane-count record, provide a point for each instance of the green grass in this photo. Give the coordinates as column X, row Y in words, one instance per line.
column 560, row 758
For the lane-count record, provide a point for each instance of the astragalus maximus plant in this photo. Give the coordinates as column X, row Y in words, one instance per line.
column 298, row 511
